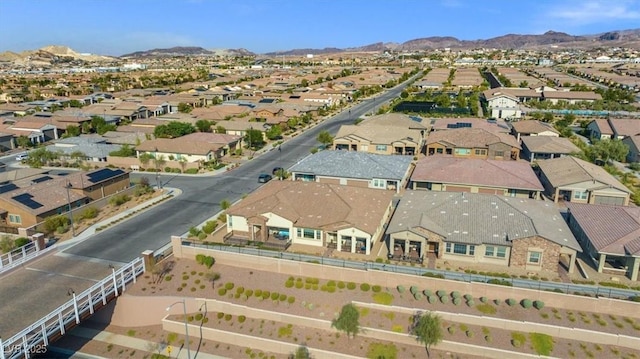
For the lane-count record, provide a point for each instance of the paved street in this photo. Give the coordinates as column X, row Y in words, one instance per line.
column 31, row 292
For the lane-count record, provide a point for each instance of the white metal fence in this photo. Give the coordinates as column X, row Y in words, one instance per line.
column 20, row 255
column 35, row 338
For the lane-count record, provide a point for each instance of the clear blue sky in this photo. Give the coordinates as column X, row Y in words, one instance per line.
column 116, row 27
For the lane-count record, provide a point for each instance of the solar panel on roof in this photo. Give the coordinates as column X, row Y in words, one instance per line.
column 416, row 118
column 8, row 187
column 27, row 200
column 41, row 179
column 267, row 100
column 102, row 174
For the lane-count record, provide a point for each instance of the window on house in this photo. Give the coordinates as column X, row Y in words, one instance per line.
column 230, row 221
column 308, row 233
column 499, row 153
column 580, row 194
column 495, row 251
column 481, row 152
column 462, row 151
column 439, row 150
column 534, row 257
column 14, row 218
column 459, row 248
column 381, row 147
column 379, row 183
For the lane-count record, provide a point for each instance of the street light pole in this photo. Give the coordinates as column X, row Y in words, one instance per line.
column 70, row 291
column 155, row 160
column 186, row 326
column 68, row 187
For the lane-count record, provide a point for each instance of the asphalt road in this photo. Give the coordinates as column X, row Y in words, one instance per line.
column 202, row 196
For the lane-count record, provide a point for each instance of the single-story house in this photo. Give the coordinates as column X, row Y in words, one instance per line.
column 388, row 134
column 344, row 218
column 610, row 235
column 574, row 180
column 478, row 228
column 616, row 128
column 354, row 169
column 533, row 128
column 633, row 142
column 194, row 147
column 474, row 175
column 546, row 147
column 473, row 143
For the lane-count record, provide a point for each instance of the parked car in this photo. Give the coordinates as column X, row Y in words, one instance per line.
column 264, row 178
column 22, row 157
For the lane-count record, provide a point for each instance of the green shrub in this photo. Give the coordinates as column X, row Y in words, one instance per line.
column 240, row 290
column 291, row 300
column 483, row 299
column 417, row 296
column 299, row 285
column 526, row 303
column 455, row 294
column 510, row 302
column 351, row 286
column 376, row 288
column 451, row 330
column 202, row 236
column 456, row 301
column 486, row 308
column 53, row 223
column 401, row 289
column 432, row 299
column 266, row 294
column 200, row 258
column 282, row 297
column 500, row 282
column 258, row 293
column 331, row 283
column 191, row 171
column 341, row 285
column 542, row 343
column 383, row 298
column 289, row 284
column 468, row 297
column 365, row 287
column 89, row 213
column 469, row 334
column 210, row 227
column 441, row 293
column 427, row 292
column 220, row 315
column 228, row 317
column 413, row 289
column 118, row 200
column 444, row 299
column 222, row 291
column 471, row 302
column 198, row 317
column 241, row 319
column 433, row 275
column 538, row 304
column 209, row 261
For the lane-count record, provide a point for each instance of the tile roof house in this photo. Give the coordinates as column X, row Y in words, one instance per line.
column 194, row 147
column 546, row 147
column 532, row 128
column 610, row 235
column 453, row 174
column 617, row 128
column 345, row 218
column 574, row 180
column 473, row 143
column 633, row 142
column 391, row 133
column 48, row 195
column 354, row 169
column 478, row 228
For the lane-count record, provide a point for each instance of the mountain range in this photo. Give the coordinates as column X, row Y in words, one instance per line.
column 550, row 40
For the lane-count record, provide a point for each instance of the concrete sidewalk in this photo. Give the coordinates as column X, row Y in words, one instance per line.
column 135, row 343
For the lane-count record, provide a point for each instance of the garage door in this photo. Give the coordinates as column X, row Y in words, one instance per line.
column 619, row 201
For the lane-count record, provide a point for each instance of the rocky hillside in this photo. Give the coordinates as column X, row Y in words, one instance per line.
column 187, row 51
column 50, row 55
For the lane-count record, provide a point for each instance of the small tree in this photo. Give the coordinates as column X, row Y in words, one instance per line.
column 225, row 204
column 301, row 353
column 325, row 138
column 348, row 321
column 212, row 277
column 427, row 328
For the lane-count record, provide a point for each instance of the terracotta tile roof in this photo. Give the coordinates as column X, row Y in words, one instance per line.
column 532, row 126
column 549, row 144
column 603, row 126
column 625, row 126
column 570, row 170
column 572, row 95
column 176, row 145
column 237, row 124
column 471, row 137
column 482, row 172
column 379, row 134
column 209, row 137
column 610, row 229
column 318, row 205
column 394, row 120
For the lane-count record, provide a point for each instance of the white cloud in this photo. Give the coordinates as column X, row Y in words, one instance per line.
column 595, row 11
